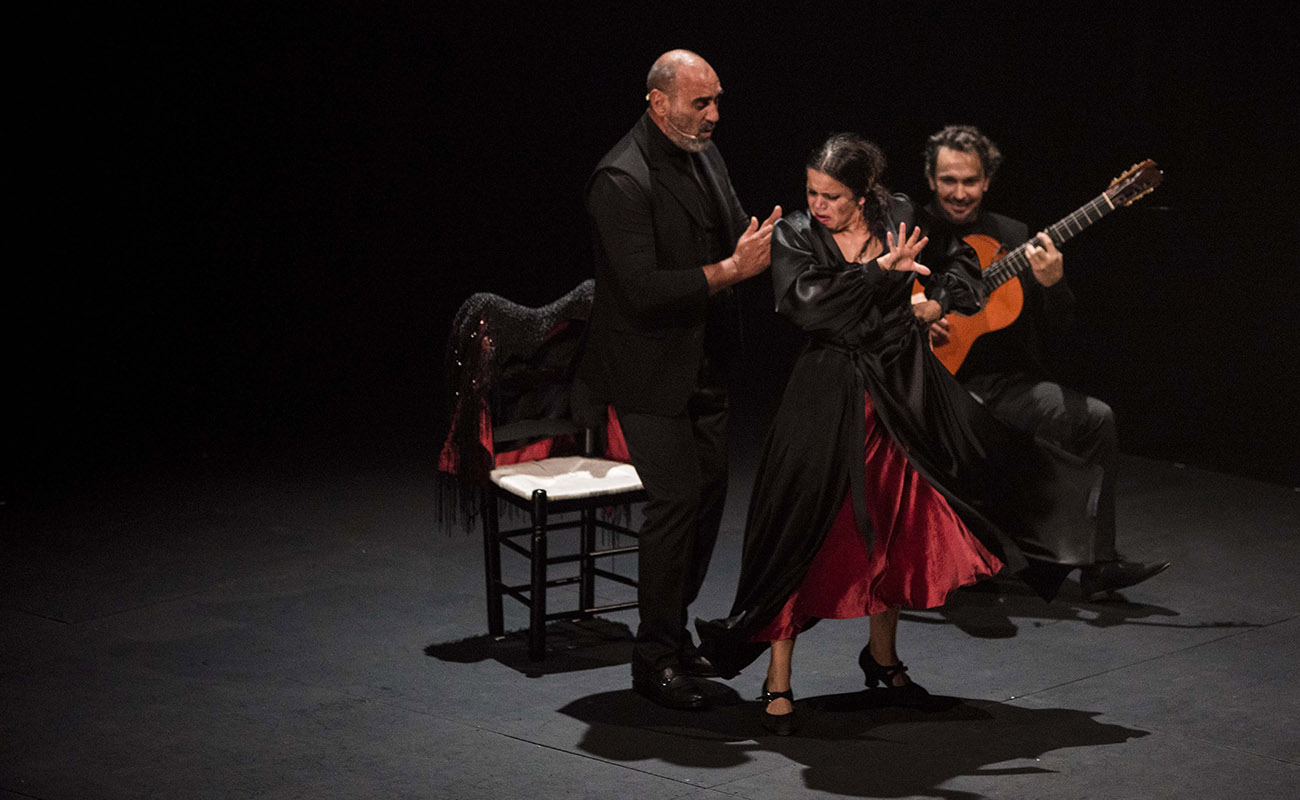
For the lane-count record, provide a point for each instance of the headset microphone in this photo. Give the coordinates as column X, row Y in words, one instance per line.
column 692, row 136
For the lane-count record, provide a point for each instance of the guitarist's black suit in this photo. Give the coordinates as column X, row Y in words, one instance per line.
column 1006, row 369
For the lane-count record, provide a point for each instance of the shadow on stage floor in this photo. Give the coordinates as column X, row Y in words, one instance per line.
column 998, row 608
column 571, row 646
column 847, row 742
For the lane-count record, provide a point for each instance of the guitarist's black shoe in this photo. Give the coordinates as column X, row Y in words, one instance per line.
column 1107, row 576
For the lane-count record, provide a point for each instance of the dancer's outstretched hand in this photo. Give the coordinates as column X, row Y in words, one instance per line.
column 903, row 251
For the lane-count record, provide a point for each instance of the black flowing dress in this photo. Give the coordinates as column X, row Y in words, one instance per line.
column 1029, row 503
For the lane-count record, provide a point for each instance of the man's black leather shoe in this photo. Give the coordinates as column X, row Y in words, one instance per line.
column 670, row 688
column 697, row 666
column 1107, row 576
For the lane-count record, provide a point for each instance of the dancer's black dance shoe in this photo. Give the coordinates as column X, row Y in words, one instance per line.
column 669, row 687
column 780, row 724
column 909, row 695
column 1108, row 576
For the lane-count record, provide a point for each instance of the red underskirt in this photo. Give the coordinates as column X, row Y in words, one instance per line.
column 922, row 549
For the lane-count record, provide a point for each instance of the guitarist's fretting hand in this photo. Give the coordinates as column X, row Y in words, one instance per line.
column 1046, row 261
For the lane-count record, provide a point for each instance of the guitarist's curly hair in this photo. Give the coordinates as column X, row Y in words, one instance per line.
column 858, row 164
column 966, row 139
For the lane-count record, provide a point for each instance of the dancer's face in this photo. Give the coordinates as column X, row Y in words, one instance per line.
column 832, row 203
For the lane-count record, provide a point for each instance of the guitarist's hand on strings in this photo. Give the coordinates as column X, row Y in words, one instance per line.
column 930, row 313
column 903, row 251
column 938, row 331
column 1045, row 260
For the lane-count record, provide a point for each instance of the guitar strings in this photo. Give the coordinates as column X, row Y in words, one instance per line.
column 1015, row 262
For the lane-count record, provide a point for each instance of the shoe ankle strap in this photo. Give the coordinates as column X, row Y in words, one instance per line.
column 768, row 696
column 894, row 670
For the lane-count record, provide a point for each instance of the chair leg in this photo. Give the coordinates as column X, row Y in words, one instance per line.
column 587, row 540
column 587, row 564
column 537, row 596
column 492, row 565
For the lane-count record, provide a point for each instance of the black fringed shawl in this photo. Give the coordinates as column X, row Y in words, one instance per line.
column 510, row 371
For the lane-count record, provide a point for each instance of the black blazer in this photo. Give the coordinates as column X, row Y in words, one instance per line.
column 652, row 301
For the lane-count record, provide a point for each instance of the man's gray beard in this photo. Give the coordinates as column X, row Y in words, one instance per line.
column 695, row 145
column 690, row 145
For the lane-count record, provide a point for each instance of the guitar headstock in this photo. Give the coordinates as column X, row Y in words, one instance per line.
column 1140, row 179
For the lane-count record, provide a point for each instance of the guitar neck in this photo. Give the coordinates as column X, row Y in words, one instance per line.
column 1017, row 261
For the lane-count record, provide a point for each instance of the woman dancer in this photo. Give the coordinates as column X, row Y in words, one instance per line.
column 882, row 484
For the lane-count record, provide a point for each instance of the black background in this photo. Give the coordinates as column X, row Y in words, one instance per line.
column 247, row 227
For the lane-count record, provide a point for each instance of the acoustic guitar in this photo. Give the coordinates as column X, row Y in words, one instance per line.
column 1001, row 270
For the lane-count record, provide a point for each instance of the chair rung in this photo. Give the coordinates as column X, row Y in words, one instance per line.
column 568, row 526
column 573, row 505
column 527, row 552
column 572, row 557
column 516, row 594
column 587, row 612
column 613, row 576
column 611, row 607
column 622, row 529
column 518, row 548
column 614, row 551
column 550, row 526
column 523, row 594
column 524, row 589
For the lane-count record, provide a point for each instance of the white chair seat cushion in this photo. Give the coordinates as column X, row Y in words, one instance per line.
column 567, row 478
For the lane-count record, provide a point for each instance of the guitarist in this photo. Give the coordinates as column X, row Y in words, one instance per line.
column 1005, row 368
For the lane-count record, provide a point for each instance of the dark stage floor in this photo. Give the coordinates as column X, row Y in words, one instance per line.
column 272, row 630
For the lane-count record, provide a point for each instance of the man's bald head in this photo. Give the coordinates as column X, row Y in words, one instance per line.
column 663, row 73
column 683, row 92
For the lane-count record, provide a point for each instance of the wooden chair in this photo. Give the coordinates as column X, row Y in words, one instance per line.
column 522, row 437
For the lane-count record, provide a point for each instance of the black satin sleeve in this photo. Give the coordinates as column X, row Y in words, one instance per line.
column 954, row 280
column 822, row 293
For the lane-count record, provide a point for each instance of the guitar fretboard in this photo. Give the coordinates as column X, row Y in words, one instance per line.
column 1016, row 262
